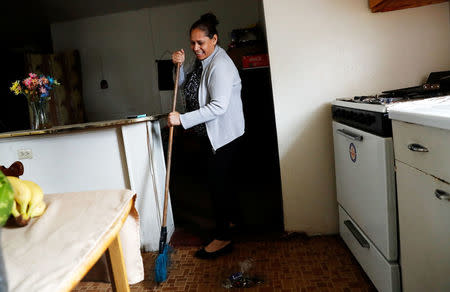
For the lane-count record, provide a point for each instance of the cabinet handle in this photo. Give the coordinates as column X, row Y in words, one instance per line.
column 417, row 148
column 442, row 195
column 350, row 135
column 356, row 234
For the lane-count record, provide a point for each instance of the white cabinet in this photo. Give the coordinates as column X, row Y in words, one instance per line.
column 423, row 194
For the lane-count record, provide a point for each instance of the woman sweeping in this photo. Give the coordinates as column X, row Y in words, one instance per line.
column 212, row 91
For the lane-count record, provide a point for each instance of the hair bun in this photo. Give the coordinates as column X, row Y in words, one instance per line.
column 210, row 18
column 207, row 23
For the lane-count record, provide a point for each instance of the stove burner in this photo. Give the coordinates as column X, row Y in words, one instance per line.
column 377, row 99
column 388, row 98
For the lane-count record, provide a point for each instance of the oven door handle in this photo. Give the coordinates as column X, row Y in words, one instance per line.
column 417, row 147
column 350, row 135
column 356, row 234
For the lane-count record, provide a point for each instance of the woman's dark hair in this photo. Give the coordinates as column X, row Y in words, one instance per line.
column 206, row 23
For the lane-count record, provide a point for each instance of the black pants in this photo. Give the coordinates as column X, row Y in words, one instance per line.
column 221, row 166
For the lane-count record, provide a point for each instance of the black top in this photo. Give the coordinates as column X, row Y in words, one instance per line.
column 190, row 91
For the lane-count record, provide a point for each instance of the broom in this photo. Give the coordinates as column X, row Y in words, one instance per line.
column 162, row 260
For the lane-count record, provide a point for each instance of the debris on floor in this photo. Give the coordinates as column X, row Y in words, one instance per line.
column 242, row 279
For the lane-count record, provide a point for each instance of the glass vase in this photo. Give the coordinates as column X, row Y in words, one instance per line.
column 39, row 118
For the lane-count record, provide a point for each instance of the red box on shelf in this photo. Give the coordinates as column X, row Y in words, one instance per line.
column 255, row 61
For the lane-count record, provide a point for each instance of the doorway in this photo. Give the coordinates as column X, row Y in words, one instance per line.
column 256, row 175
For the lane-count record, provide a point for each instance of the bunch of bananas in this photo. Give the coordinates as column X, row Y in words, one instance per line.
column 28, row 200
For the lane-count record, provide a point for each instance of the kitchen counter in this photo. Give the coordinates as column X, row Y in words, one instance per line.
column 432, row 112
column 83, row 126
column 117, row 154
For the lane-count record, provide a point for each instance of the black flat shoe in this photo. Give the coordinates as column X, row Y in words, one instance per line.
column 203, row 254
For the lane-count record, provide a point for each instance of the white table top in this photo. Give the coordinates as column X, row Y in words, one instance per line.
column 432, row 112
column 52, row 250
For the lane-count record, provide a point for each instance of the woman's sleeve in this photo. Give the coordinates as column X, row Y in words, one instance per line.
column 182, row 74
column 219, row 86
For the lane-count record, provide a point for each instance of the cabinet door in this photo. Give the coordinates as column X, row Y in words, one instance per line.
column 423, row 148
column 424, row 228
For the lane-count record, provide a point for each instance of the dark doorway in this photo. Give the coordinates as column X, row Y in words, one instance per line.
column 14, row 114
column 257, row 176
column 26, row 33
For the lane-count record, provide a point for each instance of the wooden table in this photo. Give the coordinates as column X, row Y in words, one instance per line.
column 56, row 250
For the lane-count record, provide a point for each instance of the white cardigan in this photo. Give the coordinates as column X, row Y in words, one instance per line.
column 220, row 101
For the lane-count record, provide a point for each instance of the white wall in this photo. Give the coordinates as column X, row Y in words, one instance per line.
column 128, row 44
column 121, row 42
column 324, row 49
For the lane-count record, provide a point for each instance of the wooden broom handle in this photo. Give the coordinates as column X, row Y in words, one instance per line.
column 169, row 149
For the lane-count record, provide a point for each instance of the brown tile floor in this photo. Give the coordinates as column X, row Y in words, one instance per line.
column 321, row 263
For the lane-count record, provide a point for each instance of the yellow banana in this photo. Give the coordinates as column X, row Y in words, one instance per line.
column 22, row 195
column 14, row 211
column 36, row 195
column 38, row 209
column 20, row 219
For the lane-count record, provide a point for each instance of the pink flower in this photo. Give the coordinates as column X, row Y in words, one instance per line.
column 27, row 82
column 33, row 75
column 30, row 83
column 43, row 81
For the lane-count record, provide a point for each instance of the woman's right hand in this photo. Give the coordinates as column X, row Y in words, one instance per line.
column 178, row 57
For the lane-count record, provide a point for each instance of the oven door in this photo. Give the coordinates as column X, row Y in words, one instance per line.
column 365, row 183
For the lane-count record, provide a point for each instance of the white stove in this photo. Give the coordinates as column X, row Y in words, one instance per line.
column 365, row 176
column 365, row 184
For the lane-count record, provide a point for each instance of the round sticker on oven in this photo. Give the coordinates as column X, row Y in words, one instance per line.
column 352, row 151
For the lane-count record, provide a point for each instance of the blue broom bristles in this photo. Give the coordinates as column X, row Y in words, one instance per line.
column 161, row 265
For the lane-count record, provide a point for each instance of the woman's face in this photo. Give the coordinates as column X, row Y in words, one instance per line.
column 201, row 44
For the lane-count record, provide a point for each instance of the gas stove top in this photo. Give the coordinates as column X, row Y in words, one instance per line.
column 376, row 99
column 381, row 102
column 388, row 98
column 370, row 113
column 366, row 106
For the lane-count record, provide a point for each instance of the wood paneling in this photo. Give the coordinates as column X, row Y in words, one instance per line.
column 389, row 5
column 66, row 106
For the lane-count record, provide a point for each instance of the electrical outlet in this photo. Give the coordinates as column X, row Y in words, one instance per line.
column 24, row 154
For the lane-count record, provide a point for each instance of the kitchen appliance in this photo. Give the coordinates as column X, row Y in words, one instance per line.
column 365, row 183
column 365, row 176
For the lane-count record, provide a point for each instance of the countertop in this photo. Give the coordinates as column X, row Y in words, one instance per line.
column 432, row 112
column 83, row 126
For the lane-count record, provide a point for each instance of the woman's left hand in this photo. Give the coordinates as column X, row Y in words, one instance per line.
column 173, row 119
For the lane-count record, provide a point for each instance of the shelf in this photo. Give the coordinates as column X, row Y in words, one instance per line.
column 390, row 5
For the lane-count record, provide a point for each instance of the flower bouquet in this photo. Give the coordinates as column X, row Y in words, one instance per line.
column 37, row 91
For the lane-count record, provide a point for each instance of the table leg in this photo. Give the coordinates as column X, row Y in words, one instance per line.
column 116, row 265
